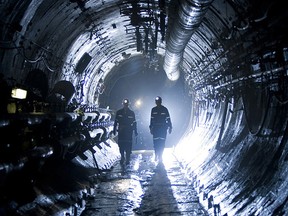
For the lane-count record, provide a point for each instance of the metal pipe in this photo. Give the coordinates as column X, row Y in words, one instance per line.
column 190, row 16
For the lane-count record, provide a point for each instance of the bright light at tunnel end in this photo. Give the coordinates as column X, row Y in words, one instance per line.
column 168, row 157
column 138, row 103
column 192, row 149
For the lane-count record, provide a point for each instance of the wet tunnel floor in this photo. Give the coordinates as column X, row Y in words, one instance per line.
column 144, row 187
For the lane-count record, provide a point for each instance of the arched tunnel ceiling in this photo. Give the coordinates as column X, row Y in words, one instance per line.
column 222, row 48
column 230, row 36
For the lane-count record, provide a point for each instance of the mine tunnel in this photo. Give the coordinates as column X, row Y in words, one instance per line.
column 220, row 67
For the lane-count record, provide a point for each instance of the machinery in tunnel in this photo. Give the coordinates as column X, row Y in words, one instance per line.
column 224, row 63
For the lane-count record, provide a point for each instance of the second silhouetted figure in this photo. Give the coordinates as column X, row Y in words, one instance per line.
column 160, row 122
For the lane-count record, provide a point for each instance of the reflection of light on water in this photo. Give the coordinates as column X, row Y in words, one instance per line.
column 136, row 163
column 128, row 189
column 121, row 186
column 135, row 192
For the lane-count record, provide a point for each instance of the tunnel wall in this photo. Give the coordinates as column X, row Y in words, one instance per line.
column 45, row 153
column 237, row 160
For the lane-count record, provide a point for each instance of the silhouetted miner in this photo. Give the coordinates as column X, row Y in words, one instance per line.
column 160, row 122
column 125, row 124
